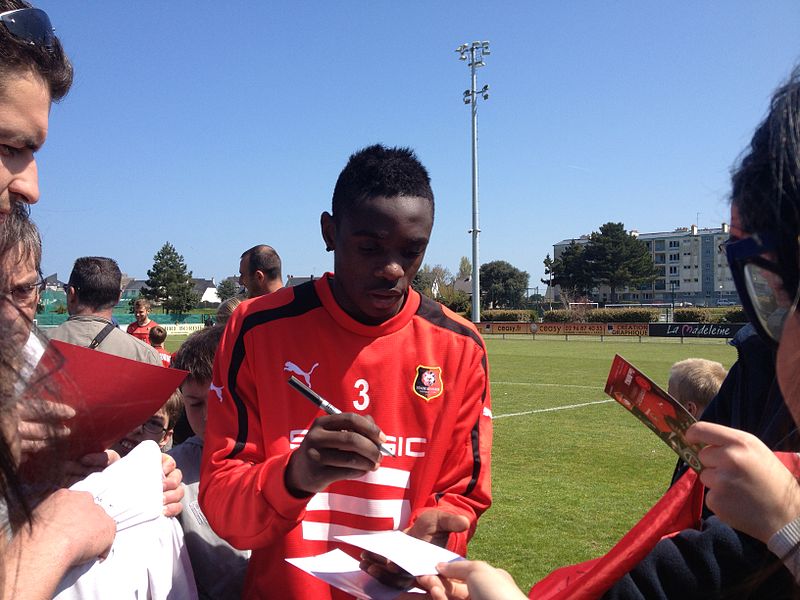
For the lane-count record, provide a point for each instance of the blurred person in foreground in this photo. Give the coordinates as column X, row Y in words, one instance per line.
column 38, row 542
column 749, row 548
column 34, row 72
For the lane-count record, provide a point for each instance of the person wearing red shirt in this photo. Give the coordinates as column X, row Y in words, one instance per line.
column 141, row 327
column 157, row 337
column 284, row 481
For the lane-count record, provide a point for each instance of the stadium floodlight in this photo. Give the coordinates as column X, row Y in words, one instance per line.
column 475, row 52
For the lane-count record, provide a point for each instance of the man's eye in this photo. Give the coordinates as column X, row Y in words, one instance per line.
column 368, row 249
column 6, row 150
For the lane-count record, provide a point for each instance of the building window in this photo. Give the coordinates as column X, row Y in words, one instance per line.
column 673, row 270
column 674, row 243
column 659, row 245
column 674, row 257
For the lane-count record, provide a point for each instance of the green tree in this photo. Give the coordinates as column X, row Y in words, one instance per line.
column 502, row 285
column 227, row 288
column 570, row 271
column 429, row 279
column 170, row 282
column 464, row 269
column 618, row 259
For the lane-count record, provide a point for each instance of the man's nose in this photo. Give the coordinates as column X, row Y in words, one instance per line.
column 25, row 184
column 391, row 270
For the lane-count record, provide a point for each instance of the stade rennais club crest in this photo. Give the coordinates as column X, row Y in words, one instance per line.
column 428, row 382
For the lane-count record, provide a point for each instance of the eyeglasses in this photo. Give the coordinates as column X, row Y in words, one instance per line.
column 31, row 25
column 154, row 427
column 24, row 295
column 760, row 285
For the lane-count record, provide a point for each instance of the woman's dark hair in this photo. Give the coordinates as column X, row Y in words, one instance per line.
column 766, row 184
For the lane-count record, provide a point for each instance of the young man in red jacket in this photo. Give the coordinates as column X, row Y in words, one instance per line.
column 407, row 373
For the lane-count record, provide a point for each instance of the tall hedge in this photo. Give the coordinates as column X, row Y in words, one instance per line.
column 506, row 315
column 692, row 315
column 623, row 315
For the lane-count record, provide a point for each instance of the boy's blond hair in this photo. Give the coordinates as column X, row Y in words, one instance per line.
column 696, row 380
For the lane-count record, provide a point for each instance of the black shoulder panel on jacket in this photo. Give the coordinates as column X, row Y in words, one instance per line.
column 305, row 300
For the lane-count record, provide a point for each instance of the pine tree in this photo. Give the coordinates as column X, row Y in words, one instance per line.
column 618, row 259
column 169, row 282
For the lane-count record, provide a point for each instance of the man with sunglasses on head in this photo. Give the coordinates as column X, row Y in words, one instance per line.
column 34, row 72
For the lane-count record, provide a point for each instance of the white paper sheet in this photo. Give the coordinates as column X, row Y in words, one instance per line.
column 412, row 554
column 130, row 490
column 340, row 570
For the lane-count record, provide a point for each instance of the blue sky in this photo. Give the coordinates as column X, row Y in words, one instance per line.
column 220, row 126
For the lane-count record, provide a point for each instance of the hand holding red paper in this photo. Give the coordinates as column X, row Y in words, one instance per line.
column 105, row 395
column 749, row 488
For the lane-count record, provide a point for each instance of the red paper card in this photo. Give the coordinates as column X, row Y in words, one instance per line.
column 654, row 407
column 111, row 395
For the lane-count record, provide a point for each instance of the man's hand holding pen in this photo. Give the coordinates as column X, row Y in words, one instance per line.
column 336, row 447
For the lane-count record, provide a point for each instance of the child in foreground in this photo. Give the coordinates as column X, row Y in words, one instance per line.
column 219, row 568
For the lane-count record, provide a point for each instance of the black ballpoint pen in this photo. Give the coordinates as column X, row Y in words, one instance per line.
column 325, row 405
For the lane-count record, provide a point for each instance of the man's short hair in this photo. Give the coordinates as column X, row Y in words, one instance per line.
column 157, row 335
column 196, row 354
column 265, row 259
column 696, row 380
column 18, row 56
column 96, row 280
column 142, row 303
column 380, row 171
column 19, row 235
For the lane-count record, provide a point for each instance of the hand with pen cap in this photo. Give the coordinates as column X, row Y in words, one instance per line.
column 336, row 447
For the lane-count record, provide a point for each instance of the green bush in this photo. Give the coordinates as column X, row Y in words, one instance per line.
column 623, row 315
column 506, row 315
column 734, row 315
column 559, row 316
column 692, row 315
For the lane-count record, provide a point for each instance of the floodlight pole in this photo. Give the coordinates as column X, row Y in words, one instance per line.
column 475, row 53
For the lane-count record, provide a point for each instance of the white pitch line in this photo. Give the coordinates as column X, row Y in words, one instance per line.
column 567, row 385
column 555, row 408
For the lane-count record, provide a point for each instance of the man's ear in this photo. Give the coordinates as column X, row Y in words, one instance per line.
column 328, row 228
column 692, row 408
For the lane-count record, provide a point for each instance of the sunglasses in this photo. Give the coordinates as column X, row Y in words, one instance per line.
column 760, row 285
column 31, row 25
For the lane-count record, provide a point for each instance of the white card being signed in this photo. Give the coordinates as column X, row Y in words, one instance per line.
column 412, row 554
column 340, row 570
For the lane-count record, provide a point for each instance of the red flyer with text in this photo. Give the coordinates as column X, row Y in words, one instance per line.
column 668, row 419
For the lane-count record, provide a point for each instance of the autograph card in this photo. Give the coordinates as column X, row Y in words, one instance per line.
column 668, row 419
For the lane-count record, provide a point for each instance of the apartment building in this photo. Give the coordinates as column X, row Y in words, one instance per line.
column 691, row 269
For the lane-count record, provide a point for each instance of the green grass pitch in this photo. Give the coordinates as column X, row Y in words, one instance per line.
column 569, row 482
